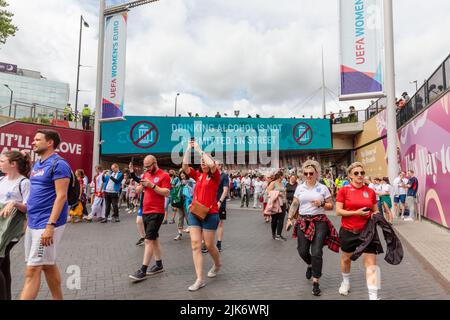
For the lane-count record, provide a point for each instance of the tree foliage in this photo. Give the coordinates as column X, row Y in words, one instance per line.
column 7, row 29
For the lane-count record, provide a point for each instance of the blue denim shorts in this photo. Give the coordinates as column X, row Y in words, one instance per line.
column 400, row 198
column 168, row 200
column 210, row 224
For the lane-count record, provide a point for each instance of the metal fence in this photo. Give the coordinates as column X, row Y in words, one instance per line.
column 347, row 117
column 431, row 90
column 37, row 113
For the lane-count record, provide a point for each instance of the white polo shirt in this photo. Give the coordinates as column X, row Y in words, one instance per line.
column 306, row 195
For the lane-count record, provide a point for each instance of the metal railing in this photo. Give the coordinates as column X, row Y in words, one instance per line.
column 38, row 113
column 347, row 117
column 431, row 90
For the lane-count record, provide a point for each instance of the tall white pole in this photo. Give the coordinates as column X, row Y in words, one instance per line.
column 390, row 90
column 98, row 99
column 324, row 105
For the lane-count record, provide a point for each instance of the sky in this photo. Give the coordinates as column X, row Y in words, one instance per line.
column 256, row 56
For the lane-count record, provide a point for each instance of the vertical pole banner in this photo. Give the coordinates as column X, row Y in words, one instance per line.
column 114, row 66
column 361, row 49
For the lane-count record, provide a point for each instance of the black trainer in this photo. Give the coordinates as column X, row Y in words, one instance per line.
column 309, row 273
column 138, row 276
column 117, row 219
column 155, row 270
column 141, row 241
column 316, row 289
column 104, row 220
column 204, row 249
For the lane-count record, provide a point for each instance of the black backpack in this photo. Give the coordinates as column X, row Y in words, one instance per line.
column 73, row 193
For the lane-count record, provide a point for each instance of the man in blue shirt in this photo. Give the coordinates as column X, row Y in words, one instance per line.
column 47, row 215
column 413, row 186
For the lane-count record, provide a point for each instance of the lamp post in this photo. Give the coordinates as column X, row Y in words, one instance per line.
column 390, row 89
column 82, row 22
column 10, row 100
column 103, row 12
column 415, row 81
column 176, row 100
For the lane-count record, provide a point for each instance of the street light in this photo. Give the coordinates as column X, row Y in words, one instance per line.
column 415, row 81
column 176, row 100
column 82, row 23
column 10, row 101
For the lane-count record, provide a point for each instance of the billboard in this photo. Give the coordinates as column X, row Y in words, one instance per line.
column 361, row 49
column 7, row 67
column 76, row 145
column 114, row 66
column 423, row 146
column 145, row 135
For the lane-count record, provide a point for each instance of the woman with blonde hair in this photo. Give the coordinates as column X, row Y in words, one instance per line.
column 356, row 204
column 313, row 229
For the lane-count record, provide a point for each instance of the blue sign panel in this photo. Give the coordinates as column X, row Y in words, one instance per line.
column 156, row 135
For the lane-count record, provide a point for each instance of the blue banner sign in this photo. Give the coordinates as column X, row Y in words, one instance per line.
column 156, row 135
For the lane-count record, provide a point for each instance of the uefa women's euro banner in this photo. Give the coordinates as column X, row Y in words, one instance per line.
column 425, row 148
column 114, row 66
column 362, row 49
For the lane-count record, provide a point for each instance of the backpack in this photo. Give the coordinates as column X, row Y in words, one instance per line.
column 176, row 196
column 73, row 192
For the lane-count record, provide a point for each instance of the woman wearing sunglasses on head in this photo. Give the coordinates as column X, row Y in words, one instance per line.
column 313, row 229
column 356, row 203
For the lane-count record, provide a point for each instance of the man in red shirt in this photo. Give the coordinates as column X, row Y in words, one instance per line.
column 156, row 183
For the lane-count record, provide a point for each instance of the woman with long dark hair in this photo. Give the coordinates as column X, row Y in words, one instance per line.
column 14, row 192
column 278, row 214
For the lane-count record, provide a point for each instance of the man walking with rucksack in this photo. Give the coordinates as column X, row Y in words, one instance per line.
column 47, row 215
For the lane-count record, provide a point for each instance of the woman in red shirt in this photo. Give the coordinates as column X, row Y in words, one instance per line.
column 205, row 192
column 356, row 203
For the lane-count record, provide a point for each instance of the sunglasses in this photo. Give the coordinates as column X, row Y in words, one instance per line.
column 360, row 173
column 148, row 167
column 308, row 174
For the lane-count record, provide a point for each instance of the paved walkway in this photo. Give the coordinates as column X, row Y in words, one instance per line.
column 254, row 266
column 431, row 242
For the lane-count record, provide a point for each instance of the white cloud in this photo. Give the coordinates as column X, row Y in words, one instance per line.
column 257, row 56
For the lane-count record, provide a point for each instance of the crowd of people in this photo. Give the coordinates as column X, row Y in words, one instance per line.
column 36, row 201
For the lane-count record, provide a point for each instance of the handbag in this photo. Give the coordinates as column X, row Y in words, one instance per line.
column 198, row 210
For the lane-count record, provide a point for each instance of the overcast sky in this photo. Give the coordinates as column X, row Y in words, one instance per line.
column 256, row 56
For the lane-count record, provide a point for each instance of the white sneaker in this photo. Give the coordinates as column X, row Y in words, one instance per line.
column 197, row 285
column 409, row 219
column 344, row 289
column 213, row 272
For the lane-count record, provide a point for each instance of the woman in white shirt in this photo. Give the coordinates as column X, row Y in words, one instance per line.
column 14, row 192
column 313, row 228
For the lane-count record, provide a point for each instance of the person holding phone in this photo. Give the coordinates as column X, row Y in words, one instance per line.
column 205, row 193
column 313, row 229
column 356, row 204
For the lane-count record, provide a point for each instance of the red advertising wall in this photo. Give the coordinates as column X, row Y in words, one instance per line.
column 76, row 145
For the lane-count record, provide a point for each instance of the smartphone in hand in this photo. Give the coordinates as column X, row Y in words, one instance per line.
column 367, row 209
